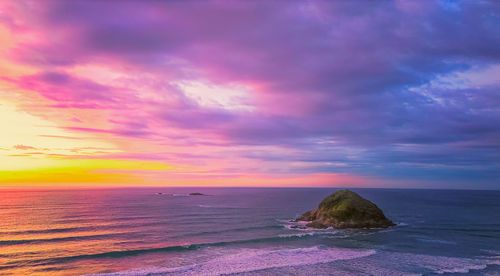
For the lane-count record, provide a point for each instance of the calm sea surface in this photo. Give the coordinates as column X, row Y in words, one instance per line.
column 243, row 231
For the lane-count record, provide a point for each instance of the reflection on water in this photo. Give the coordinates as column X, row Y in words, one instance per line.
column 89, row 231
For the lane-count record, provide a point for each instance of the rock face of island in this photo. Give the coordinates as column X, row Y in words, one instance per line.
column 346, row 209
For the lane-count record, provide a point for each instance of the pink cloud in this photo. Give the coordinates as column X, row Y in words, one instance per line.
column 327, row 83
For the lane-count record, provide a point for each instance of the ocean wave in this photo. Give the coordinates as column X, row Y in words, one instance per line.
column 444, row 265
column 298, row 235
column 64, row 239
column 431, row 264
column 300, row 226
column 108, row 254
column 437, row 241
column 229, row 230
column 49, row 231
column 93, row 227
column 304, row 231
column 257, row 259
column 362, row 261
column 491, row 252
column 135, row 252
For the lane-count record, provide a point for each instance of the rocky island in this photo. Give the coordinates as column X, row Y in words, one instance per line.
column 346, row 209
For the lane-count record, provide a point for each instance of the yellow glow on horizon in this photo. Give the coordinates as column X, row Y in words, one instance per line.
column 22, row 128
column 40, row 137
column 84, row 171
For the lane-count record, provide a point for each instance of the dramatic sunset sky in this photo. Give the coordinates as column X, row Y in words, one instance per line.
column 259, row 93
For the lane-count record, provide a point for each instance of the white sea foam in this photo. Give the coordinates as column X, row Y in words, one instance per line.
column 458, row 265
column 296, row 235
column 438, row 264
column 292, row 225
column 355, row 261
column 257, row 259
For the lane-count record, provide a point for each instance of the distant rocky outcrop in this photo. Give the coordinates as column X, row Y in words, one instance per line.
column 346, row 209
column 196, row 194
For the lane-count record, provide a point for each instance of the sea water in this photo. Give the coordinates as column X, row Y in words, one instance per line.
column 243, row 231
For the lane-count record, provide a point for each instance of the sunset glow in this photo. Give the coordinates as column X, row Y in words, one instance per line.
column 232, row 94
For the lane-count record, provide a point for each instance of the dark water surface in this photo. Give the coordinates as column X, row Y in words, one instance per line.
column 244, row 231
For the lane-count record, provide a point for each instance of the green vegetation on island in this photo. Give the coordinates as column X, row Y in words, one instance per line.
column 346, row 209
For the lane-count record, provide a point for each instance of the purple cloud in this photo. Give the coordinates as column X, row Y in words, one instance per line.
column 337, row 82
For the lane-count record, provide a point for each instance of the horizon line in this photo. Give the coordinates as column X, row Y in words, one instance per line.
column 4, row 188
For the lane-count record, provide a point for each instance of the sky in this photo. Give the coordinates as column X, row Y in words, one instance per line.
column 401, row 94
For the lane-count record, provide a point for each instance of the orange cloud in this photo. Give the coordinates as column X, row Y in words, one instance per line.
column 23, row 147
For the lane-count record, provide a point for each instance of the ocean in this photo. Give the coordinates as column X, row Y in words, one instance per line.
column 243, row 231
